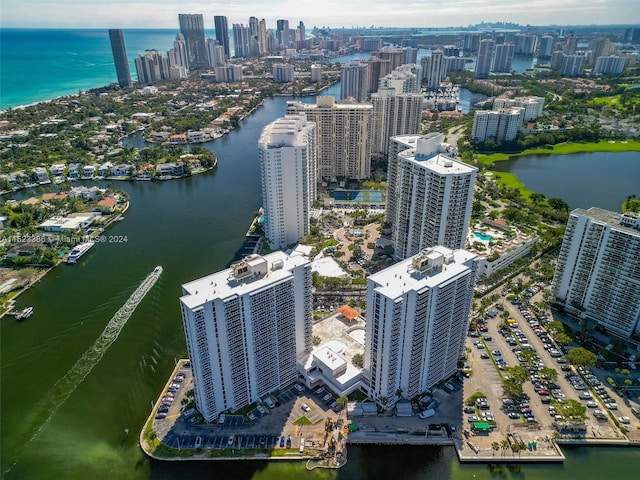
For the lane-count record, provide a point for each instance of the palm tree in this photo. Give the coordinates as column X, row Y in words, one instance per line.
column 505, row 446
column 399, row 393
column 495, row 447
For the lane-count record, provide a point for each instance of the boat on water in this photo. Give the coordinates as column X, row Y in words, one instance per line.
column 78, row 251
column 24, row 313
column 157, row 270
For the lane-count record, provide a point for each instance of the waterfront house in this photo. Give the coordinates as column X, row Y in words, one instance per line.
column 74, row 171
column 195, row 136
column 169, row 169
column 86, row 193
column 57, row 169
column 41, row 176
column 107, row 205
column 88, row 171
column 177, row 139
column 66, row 224
column 122, row 170
column 104, row 169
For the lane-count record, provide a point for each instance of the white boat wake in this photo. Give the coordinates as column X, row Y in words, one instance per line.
column 64, row 387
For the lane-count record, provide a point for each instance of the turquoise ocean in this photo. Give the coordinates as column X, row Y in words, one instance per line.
column 38, row 65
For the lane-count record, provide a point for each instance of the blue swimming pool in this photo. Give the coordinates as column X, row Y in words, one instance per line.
column 483, row 236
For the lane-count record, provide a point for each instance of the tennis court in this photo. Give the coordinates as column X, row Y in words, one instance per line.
column 359, row 196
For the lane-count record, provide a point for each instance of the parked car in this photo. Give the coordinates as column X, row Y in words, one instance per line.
column 305, row 407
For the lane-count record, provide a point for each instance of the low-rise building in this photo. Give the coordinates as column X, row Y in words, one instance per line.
column 169, row 169
column 41, row 175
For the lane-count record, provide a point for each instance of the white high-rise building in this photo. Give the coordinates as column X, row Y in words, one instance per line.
column 353, row 80
column 525, row 44
column 394, row 114
column 215, row 52
column 432, row 197
column 343, row 132
column 572, row 65
column 316, row 73
column 546, row 46
column 503, row 58
column 229, row 73
column 501, row 125
column 287, row 152
column 610, row 65
column 151, row 66
column 283, row 72
column 485, row 55
column 245, row 328
column 405, row 79
column 598, row 271
column 533, row 106
column 434, row 70
column 241, row 40
column 178, row 54
column 417, row 321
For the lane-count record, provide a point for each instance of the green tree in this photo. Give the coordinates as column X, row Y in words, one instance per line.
column 512, row 388
column 581, row 357
column 495, row 446
column 572, row 410
column 550, row 373
column 358, row 360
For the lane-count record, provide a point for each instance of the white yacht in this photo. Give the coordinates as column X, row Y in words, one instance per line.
column 78, row 251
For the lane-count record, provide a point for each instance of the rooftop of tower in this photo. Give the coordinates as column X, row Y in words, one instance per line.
column 428, row 269
column 249, row 274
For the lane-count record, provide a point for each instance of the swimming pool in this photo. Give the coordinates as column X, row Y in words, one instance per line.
column 483, row 236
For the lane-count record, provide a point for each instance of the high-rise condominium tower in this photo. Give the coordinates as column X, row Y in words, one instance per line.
column 503, row 58
column 598, row 271
column 432, row 197
column 241, row 40
column 417, row 321
column 222, row 34
column 434, row 69
column 282, row 33
column 245, row 328
column 353, row 80
column 483, row 62
column 192, row 27
column 120, row 57
column 343, row 132
column 287, row 153
column 394, row 114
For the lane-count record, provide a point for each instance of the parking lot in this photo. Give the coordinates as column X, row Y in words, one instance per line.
column 276, row 422
column 493, row 348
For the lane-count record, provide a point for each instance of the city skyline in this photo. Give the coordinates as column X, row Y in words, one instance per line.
column 421, row 13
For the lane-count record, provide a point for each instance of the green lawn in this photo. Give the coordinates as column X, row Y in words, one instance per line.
column 566, row 148
column 510, row 180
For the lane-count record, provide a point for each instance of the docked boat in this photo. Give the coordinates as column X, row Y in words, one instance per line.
column 24, row 313
column 78, row 251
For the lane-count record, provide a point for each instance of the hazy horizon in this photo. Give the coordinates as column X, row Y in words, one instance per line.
column 331, row 13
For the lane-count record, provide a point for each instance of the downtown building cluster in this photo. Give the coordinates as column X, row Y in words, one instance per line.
column 313, row 144
column 193, row 51
column 248, row 327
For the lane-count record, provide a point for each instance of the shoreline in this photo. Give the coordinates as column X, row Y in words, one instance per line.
column 603, row 146
column 40, row 275
column 550, row 453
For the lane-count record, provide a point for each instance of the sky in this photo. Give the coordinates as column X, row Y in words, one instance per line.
column 330, row 13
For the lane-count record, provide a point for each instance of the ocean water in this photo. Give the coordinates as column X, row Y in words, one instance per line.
column 38, row 65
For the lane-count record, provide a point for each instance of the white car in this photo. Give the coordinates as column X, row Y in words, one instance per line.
column 305, row 407
column 299, row 387
column 262, row 410
column 611, row 406
column 592, row 404
column 625, row 420
column 427, row 413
